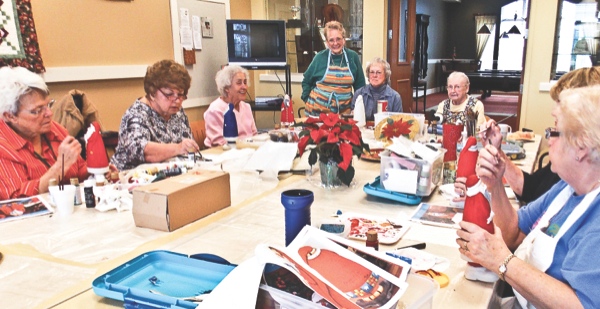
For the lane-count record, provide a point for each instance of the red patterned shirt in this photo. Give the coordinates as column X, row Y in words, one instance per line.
column 20, row 169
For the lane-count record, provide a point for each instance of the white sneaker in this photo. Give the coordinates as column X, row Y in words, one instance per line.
column 480, row 274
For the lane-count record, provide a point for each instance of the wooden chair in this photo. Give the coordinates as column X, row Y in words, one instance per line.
column 198, row 128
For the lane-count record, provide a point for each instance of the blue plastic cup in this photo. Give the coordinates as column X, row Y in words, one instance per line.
column 297, row 211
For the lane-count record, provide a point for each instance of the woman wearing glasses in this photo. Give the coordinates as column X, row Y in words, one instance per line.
column 155, row 128
column 454, row 109
column 555, row 237
column 333, row 73
column 32, row 145
column 232, row 82
column 378, row 72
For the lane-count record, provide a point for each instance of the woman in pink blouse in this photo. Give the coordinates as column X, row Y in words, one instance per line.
column 232, row 82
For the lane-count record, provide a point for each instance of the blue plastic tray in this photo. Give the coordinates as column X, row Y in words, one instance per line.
column 165, row 272
column 376, row 189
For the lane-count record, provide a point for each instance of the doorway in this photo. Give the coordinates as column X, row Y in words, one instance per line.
column 401, row 33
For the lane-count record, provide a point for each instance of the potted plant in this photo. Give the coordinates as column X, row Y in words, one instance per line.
column 336, row 140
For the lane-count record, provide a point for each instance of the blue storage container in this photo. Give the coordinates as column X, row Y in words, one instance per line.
column 163, row 279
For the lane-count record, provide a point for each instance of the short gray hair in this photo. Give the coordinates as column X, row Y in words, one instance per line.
column 458, row 74
column 386, row 68
column 225, row 76
column 15, row 82
column 579, row 126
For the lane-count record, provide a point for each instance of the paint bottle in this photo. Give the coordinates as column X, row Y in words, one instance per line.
column 372, row 239
column 77, row 197
column 88, row 193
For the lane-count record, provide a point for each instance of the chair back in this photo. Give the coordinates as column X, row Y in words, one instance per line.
column 198, row 129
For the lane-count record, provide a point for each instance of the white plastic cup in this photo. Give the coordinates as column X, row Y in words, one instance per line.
column 64, row 200
column 504, row 130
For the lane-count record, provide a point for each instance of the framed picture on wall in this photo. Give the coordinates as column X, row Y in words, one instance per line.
column 207, row 27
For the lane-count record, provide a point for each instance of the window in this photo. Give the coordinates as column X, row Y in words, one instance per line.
column 577, row 37
column 304, row 22
column 510, row 41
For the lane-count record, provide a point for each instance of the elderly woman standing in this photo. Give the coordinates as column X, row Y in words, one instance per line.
column 232, row 82
column 557, row 236
column 155, row 127
column 379, row 72
column 332, row 74
column 32, row 145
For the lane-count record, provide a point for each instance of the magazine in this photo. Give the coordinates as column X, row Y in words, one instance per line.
column 439, row 215
column 332, row 272
column 20, row 208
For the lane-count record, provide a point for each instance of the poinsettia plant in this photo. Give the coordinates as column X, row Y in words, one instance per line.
column 336, row 139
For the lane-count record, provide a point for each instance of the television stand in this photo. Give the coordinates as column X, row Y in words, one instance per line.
column 288, row 80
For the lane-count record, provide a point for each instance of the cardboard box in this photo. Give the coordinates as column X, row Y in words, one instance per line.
column 174, row 202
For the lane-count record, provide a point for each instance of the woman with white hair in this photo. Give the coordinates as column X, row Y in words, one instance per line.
column 232, row 82
column 555, row 237
column 32, row 145
column 459, row 102
column 378, row 72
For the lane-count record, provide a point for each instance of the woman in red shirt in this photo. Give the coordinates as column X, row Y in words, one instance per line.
column 32, row 145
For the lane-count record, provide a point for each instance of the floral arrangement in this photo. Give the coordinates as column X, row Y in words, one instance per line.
column 336, row 140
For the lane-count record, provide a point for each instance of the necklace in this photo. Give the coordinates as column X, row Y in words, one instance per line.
column 341, row 59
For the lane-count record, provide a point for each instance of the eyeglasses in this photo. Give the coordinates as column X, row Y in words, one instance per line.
column 172, row 96
column 375, row 73
column 335, row 40
column 40, row 109
column 552, row 132
column 455, row 87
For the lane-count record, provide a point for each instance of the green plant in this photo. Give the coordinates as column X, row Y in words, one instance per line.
column 336, row 139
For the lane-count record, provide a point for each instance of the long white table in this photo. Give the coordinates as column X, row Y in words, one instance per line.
column 51, row 262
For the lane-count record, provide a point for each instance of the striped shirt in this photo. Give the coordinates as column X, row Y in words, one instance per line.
column 20, row 169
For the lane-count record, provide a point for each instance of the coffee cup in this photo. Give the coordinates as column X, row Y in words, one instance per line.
column 504, row 130
column 64, row 200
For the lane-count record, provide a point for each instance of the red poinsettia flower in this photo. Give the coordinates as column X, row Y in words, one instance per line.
column 397, row 128
column 335, row 139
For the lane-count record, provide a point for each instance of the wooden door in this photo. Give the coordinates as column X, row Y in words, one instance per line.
column 401, row 39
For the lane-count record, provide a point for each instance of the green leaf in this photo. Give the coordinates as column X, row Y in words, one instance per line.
column 390, row 121
column 346, row 127
column 303, row 133
column 357, row 150
column 346, row 176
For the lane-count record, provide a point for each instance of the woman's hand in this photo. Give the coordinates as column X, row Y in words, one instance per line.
column 70, row 148
column 490, row 132
column 188, row 145
column 490, row 166
column 488, row 250
column 460, row 188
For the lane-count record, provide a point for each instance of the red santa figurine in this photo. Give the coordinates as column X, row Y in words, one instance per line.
column 477, row 205
column 95, row 151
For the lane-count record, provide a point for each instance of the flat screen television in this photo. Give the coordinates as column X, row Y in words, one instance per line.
column 256, row 43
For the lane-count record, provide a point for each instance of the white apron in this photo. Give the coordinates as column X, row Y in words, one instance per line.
column 537, row 248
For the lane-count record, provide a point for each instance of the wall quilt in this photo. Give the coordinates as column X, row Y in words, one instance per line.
column 18, row 39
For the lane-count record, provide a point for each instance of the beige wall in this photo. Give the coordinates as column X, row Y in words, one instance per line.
column 537, row 105
column 100, row 33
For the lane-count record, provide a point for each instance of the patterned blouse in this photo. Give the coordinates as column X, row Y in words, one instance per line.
column 140, row 125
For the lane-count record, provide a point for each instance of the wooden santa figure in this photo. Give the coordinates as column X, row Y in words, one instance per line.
column 477, row 206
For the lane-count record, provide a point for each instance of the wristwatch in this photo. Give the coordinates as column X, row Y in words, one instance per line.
column 502, row 268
